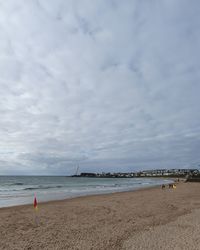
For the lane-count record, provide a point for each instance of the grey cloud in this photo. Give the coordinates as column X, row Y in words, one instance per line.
column 113, row 85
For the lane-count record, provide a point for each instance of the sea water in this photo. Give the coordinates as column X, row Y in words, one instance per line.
column 18, row 190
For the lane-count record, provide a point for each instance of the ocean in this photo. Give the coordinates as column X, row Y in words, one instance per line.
column 18, row 190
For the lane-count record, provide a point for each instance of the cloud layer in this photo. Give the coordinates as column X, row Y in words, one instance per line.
column 111, row 85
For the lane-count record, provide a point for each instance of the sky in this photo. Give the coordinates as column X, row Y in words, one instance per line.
column 108, row 85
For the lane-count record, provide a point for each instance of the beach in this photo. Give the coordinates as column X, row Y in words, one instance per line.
column 149, row 218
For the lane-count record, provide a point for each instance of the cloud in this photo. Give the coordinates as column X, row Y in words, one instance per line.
column 111, row 85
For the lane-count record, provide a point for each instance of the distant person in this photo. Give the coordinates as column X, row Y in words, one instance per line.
column 174, row 186
column 163, row 186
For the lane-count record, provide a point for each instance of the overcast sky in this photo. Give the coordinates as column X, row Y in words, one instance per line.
column 110, row 85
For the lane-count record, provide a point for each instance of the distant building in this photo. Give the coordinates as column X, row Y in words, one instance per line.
column 145, row 173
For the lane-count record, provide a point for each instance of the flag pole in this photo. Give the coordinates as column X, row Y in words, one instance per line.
column 35, row 205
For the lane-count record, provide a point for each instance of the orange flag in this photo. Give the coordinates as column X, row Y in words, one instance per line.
column 35, row 204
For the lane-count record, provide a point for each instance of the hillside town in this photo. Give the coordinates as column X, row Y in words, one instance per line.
column 146, row 173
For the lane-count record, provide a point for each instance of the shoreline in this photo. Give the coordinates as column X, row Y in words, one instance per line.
column 141, row 219
column 91, row 194
column 78, row 197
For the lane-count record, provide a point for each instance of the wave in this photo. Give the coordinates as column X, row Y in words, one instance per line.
column 42, row 187
column 13, row 184
column 30, row 188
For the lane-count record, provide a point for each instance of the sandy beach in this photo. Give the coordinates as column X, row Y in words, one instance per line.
column 146, row 219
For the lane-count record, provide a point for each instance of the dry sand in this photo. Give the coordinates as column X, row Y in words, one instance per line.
column 145, row 219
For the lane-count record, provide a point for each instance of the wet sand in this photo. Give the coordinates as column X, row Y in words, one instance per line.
column 144, row 219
